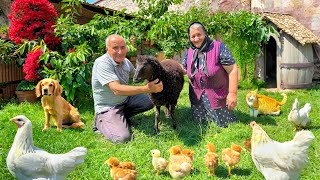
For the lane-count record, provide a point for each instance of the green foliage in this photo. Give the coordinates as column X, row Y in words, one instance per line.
column 8, row 51
column 25, row 85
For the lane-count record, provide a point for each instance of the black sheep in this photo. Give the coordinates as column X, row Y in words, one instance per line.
column 171, row 74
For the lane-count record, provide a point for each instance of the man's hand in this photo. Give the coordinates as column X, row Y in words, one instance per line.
column 155, row 86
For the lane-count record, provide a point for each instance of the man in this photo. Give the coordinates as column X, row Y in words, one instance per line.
column 114, row 100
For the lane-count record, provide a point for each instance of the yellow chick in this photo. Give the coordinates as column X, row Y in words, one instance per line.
column 159, row 163
column 231, row 156
column 119, row 173
column 211, row 159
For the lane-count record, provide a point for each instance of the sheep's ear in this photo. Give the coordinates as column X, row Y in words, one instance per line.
column 57, row 88
column 38, row 89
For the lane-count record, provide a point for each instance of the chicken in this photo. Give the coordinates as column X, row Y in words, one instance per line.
column 281, row 161
column 231, row 156
column 211, row 159
column 26, row 161
column 159, row 163
column 118, row 173
column 127, row 165
column 299, row 118
column 180, row 164
column 247, row 144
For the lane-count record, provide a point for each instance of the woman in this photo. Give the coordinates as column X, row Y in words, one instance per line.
column 213, row 77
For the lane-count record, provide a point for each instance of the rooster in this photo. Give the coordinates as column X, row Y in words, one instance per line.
column 281, row 161
column 26, row 161
column 299, row 118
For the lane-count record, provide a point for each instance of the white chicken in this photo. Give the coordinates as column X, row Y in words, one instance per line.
column 299, row 118
column 279, row 161
column 26, row 161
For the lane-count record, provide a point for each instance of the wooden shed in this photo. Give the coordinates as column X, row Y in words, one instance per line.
column 287, row 60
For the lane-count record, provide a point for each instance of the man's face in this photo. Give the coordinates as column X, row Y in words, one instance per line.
column 117, row 49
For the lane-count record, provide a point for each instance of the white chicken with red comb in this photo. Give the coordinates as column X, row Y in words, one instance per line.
column 26, row 161
column 276, row 160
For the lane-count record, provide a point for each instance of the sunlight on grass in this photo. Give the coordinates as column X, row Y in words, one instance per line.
column 188, row 134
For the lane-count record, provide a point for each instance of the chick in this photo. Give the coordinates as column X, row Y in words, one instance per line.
column 159, row 163
column 211, row 159
column 247, row 144
column 180, row 164
column 119, row 173
column 127, row 165
column 231, row 156
column 188, row 153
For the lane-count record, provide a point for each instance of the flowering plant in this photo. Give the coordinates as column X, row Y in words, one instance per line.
column 33, row 19
column 31, row 66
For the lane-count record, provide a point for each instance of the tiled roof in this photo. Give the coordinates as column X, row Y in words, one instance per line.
column 292, row 27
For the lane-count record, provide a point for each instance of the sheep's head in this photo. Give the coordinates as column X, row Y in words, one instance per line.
column 144, row 68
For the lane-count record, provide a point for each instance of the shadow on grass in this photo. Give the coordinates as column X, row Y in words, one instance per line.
column 187, row 130
column 222, row 172
column 244, row 118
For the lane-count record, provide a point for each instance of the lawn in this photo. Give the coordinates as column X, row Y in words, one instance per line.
column 188, row 134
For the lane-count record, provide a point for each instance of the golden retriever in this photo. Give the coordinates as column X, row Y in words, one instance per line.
column 62, row 112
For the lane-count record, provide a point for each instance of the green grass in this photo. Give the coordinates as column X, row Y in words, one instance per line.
column 188, row 134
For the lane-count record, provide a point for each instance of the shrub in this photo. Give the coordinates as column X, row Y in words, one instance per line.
column 33, row 19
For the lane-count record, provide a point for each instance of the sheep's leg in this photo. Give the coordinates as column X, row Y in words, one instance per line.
column 167, row 111
column 156, row 119
column 173, row 116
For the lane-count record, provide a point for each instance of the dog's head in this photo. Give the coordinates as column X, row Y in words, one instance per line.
column 48, row 87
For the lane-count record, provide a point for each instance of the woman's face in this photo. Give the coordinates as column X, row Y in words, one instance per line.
column 197, row 36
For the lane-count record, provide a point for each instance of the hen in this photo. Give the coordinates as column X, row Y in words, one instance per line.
column 180, row 164
column 299, row 118
column 281, row 161
column 26, row 161
column 211, row 159
column 118, row 173
column 231, row 156
column 159, row 163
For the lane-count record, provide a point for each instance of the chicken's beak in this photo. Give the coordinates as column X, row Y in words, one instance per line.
column 252, row 124
column 14, row 120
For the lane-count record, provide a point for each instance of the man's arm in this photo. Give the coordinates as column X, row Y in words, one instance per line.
column 127, row 90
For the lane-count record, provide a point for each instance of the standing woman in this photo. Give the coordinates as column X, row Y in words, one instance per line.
column 213, row 77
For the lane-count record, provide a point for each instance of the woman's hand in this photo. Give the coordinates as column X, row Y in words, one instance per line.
column 231, row 100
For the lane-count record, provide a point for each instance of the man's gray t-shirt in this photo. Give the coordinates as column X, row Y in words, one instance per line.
column 104, row 71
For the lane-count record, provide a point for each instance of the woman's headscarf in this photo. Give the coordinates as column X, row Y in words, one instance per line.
column 203, row 48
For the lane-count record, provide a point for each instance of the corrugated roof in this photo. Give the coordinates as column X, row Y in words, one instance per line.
column 292, row 27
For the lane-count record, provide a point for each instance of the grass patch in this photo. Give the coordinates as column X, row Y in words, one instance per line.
column 188, row 134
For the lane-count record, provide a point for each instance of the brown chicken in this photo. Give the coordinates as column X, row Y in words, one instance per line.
column 120, row 173
column 211, row 159
column 180, row 164
column 127, row 165
column 231, row 156
column 247, row 144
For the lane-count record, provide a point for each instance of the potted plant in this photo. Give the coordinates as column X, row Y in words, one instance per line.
column 25, row 91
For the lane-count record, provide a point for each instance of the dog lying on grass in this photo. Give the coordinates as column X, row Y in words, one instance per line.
column 55, row 106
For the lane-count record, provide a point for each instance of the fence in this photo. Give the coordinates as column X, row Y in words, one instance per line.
column 10, row 76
